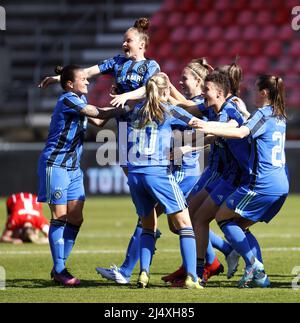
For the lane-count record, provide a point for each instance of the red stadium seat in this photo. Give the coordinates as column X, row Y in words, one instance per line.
column 296, row 67
column 170, row 66
column 260, row 65
column 187, row 5
column 232, row 33
column 285, row 33
column 273, row 48
column 284, row 65
column 218, row 49
column 165, row 51
column 237, row 48
column 283, row 16
column 251, row 32
column 158, row 20
column 222, row 5
column 183, row 51
column 221, row 60
column 240, row 5
column 254, row 48
column 291, row 3
column 268, row 33
column 210, row 18
column 192, row 19
column 227, row 17
column 203, row 5
column 294, row 49
column 293, row 100
column 160, row 37
column 175, row 19
column 264, row 17
column 178, row 34
column 196, row 34
column 257, row 5
column 245, row 18
column 201, row 49
column 214, row 33
column 169, row 5
column 245, row 63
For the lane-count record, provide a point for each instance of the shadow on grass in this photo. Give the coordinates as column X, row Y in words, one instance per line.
column 46, row 283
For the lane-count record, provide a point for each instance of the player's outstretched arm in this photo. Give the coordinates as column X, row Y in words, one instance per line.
column 48, row 80
column 103, row 113
column 7, row 237
column 119, row 100
column 218, row 129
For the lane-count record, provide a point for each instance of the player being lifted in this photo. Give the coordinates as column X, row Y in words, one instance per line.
column 130, row 71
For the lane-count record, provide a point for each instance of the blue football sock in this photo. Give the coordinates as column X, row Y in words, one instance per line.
column 147, row 244
column 219, row 243
column 188, row 251
column 237, row 238
column 132, row 253
column 254, row 245
column 56, row 242
column 210, row 253
column 70, row 234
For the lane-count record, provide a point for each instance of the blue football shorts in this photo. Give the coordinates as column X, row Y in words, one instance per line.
column 207, row 180
column 185, row 180
column 58, row 185
column 221, row 189
column 148, row 190
column 255, row 206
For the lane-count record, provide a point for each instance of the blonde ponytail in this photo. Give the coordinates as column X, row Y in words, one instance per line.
column 153, row 111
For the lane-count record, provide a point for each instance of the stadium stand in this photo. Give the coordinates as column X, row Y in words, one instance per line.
column 40, row 36
column 257, row 32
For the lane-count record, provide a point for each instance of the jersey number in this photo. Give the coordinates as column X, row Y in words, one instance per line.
column 147, row 136
column 278, row 155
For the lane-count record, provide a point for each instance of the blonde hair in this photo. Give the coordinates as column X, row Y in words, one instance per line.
column 199, row 68
column 141, row 27
column 153, row 109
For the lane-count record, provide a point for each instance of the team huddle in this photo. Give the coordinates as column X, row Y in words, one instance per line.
column 245, row 182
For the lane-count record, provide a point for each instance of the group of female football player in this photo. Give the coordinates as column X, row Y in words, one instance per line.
column 245, row 181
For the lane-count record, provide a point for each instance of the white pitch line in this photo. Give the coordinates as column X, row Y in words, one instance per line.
column 117, row 251
column 123, row 235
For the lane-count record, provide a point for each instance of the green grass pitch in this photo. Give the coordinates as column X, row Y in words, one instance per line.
column 103, row 239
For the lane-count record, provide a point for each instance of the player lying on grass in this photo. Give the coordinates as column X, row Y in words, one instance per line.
column 25, row 220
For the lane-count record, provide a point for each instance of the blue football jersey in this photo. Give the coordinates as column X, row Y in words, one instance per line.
column 269, row 175
column 129, row 74
column 149, row 147
column 190, row 160
column 230, row 163
column 66, row 133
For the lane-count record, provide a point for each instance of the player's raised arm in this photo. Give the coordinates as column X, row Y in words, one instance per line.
column 48, row 80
